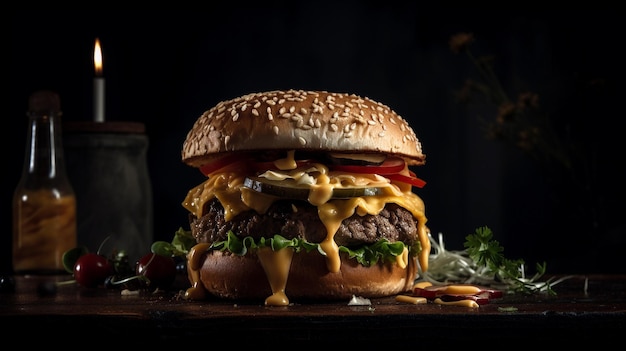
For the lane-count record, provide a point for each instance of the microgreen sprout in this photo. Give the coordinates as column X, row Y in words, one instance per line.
column 482, row 262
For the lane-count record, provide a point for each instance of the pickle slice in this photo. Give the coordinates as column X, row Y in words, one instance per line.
column 277, row 188
column 344, row 193
column 291, row 190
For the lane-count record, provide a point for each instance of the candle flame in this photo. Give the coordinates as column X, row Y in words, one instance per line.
column 97, row 58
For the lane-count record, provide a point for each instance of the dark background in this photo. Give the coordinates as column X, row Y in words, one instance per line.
column 164, row 68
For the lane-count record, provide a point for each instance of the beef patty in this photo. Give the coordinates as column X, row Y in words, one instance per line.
column 299, row 219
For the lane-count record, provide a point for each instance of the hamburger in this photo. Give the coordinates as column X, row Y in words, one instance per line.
column 308, row 195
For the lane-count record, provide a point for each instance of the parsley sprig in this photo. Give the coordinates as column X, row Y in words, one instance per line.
column 483, row 262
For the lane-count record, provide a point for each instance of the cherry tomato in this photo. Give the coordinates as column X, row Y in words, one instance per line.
column 160, row 270
column 92, row 269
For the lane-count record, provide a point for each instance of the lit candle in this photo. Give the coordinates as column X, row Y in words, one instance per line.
column 98, row 84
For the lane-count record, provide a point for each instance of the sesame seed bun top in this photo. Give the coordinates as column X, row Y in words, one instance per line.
column 297, row 119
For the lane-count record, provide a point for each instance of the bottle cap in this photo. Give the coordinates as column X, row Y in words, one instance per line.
column 44, row 101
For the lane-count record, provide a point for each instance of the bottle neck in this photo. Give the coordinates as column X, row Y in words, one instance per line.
column 44, row 147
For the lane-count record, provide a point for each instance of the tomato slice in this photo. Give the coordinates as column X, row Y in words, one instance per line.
column 389, row 168
column 411, row 179
column 391, row 165
column 458, row 292
column 221, row 163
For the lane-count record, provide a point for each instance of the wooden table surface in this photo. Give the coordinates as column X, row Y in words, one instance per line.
column 585, row 308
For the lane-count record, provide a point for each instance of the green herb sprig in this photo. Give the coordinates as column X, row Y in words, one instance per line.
column 483, row 262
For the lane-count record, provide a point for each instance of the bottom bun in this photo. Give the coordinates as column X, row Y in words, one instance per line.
column 242, row 277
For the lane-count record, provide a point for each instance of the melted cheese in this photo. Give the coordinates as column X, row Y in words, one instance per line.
column 422, row 285
column 411, row 299
column 462, row 303
column 288, row 162
column 228, row 188
column 276, row 265
column 194, row 263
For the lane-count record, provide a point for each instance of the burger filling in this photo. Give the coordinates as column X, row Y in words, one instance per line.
column 354, row 206
column 298, row 219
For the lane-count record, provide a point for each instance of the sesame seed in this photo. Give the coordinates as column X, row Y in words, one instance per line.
column 302, row 140
column 255, row 112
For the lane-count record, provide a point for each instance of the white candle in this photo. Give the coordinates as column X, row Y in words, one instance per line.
column 98, row 84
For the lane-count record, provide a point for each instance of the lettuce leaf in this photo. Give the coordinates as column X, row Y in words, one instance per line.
column 367, row 255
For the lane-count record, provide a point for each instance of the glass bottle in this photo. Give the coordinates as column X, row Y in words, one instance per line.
column 44, row 203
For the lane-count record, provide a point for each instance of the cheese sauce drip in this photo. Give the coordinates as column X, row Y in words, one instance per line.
column 462, row 303
column 276, row 265
column 228, row 188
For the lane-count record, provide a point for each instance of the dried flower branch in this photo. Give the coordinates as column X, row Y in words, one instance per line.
column 520, row 122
